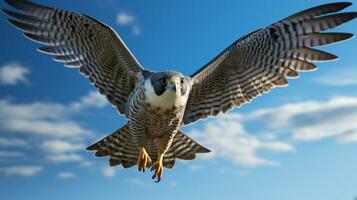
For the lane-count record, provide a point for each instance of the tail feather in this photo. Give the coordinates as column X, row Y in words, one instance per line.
column 183, row 147
column 119, row 147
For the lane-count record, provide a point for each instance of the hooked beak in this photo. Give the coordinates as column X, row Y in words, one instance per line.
column 173, row 84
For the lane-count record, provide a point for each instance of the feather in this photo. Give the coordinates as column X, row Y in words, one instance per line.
column 60, row 30
column 318, row 10
column 264, row 59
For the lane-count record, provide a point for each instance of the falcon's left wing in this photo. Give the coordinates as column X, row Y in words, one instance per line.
column 264, row 59
column 82, row 42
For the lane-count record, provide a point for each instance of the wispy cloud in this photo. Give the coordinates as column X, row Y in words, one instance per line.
column 126, row 19
column 340, row 76
column 39, row 118
column 13, row 73
column 59, row 146
column 108, row 171
column 58, row 134
column 348, row 138
column 66, row 175
column 312, row 120
column 86, row 163
column 229, row 139
column 48, row 128
column 11, row 142
column 92, row 100
column 61, row 158
column 21, row 170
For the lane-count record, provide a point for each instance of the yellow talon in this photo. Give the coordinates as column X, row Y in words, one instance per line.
column 144, row 159
column 158, row 168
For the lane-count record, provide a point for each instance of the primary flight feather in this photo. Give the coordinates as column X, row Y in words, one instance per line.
column 157, row 104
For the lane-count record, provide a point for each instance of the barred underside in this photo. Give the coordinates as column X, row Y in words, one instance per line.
column 264, row 59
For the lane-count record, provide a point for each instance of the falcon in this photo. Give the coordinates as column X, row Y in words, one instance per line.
column 158, row 104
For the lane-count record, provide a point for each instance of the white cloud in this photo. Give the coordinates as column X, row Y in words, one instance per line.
column 229, row 139
column 62, row 135
column 9, row 142
column 21, row 170
column 348, row 137
column 13, row 73
column 304, row 121
column 340, row 76
column 49, row 128
column 277, row 146
column 86, row 164
column 58, row 146
column 124, row 18
column 11, row 154
column 66, row 175
column 50, row 119
column 312, row 120
column 60, row 158
column 108, row 171
column 92, row 100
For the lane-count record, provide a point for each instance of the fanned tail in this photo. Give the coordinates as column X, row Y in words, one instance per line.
column 121, row 149
column 119, row 146
column 182, row 147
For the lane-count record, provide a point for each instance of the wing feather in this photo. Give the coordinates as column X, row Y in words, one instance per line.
column 265, row 59
column 82, row 42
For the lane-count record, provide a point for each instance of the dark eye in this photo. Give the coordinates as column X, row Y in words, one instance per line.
column 163, row 81
column 182, row 81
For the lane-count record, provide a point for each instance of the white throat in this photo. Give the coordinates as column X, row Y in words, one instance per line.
column 167, row 100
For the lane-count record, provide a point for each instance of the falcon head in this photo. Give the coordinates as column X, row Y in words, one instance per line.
column 167, row 89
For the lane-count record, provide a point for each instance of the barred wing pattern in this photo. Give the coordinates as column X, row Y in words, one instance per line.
column 264, row 59
column 82, row 42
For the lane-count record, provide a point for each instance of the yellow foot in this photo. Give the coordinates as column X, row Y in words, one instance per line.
column 158, row 168
column 144, row 159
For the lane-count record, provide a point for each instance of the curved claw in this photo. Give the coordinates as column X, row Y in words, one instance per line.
column 158, row 179
column 158, row 169
column 154, row 176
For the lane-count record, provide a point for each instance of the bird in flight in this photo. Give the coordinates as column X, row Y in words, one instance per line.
column 158, row 104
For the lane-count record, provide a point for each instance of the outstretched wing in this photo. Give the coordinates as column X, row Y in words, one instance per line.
column 256, row 63
column 82, row 42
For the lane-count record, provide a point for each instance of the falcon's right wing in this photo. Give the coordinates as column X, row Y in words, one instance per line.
column 265, row 59
column 82, row 42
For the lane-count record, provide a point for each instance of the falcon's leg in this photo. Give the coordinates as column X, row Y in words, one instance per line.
column 163, row 144
column 144, row 159
column 158, row 167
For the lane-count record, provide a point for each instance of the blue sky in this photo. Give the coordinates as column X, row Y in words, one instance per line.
column 298, row 142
